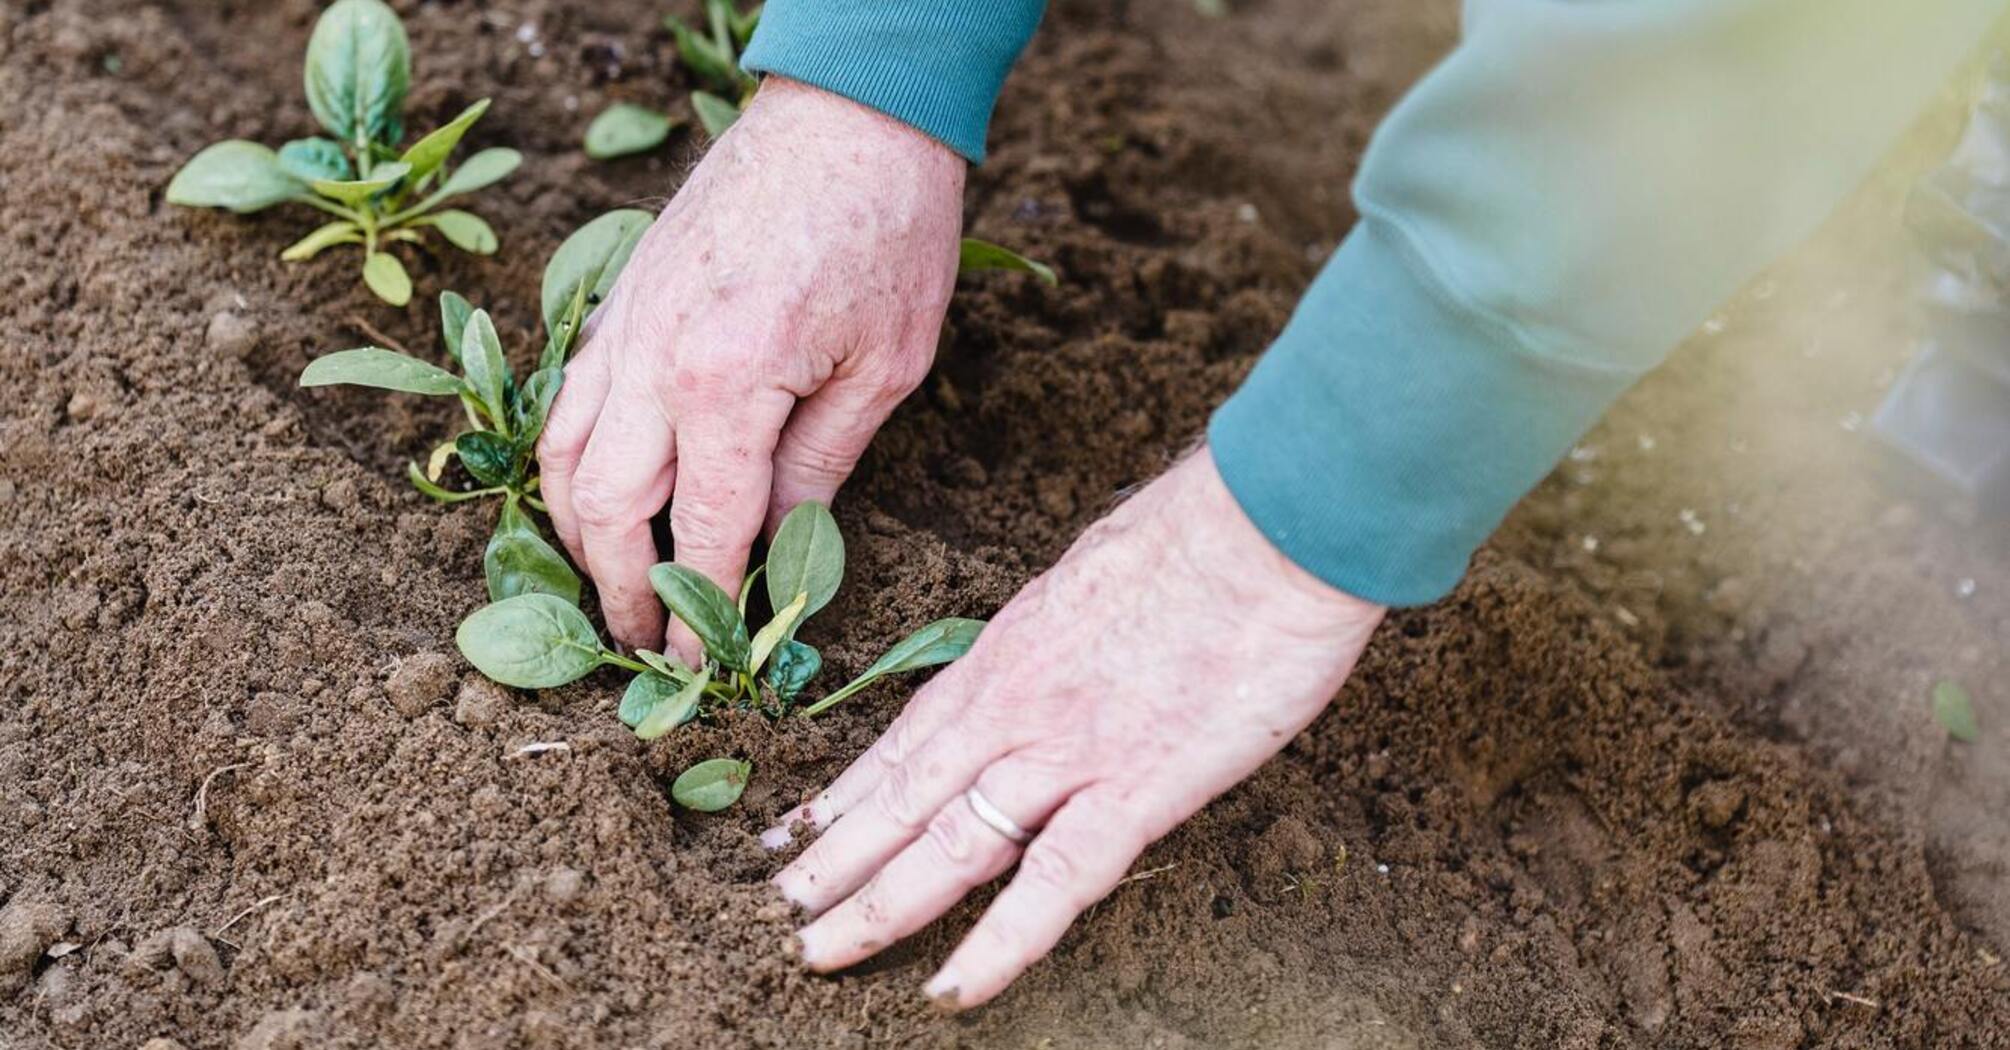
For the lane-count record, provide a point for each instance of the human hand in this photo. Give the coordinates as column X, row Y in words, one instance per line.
column 787, row 299
column 1167, row 655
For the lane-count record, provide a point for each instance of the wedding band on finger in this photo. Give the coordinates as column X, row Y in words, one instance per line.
column 995, row 818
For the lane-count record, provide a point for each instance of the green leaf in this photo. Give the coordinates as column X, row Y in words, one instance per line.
column 519, row 561
column 776, row 630
column 706, row 609
column 483, row 169
column 665, row 664
column 975, row 255
column 359, row 66
column 239, row 175
column 743, row 26
column 354, row 192
column 624, row 128
column 807, row 558
column 531, row 641
column 465, row 230
column 1955, row 711
column 341, row 231
column 793, row 666
column 454, row 313
column 707, row 60
column 489, row 456
column 650, row 694
column 711, row 785
column 591, row 259
column 558, row 342
column 533, row 403
column 937, row 643
column 488, row 372
column 427, row 154
column 316, row 158
column 715, row 114
column 384, row 369
column 387, row 277
column 672, row 711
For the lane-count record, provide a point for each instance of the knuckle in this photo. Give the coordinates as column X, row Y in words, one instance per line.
column 899, row 798
column 819, row 454
column 951, row 838
column 700, row 524
column 1054, row 868
column 599, row 502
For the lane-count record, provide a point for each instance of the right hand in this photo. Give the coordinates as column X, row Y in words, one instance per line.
column 787, row 299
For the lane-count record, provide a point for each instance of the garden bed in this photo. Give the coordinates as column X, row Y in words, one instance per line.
column 1603, row 796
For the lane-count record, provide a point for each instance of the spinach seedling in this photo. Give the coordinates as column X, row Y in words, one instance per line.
column 358, row 69
column 537, row 642
column 713, row 56
column 711, row 785
column 974, row 255
column 504, row 416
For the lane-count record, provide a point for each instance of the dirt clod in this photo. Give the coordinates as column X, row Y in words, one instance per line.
column 27, row 929
column 421, row 681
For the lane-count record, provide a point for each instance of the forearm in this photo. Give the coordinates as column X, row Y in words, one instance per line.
column 1544, row 218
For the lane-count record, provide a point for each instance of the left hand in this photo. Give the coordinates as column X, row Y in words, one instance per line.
column 1168, row 654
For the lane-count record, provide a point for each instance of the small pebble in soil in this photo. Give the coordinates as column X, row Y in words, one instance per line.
column 564, row 885
column 421, row 681
column 480, row 703
column 281, row 1030
column 27, row 929
column 85, row 406
column 1964, row 587
column 340, row 494
column 231, row 333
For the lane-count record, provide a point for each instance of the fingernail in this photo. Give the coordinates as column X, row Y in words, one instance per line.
column 776, row 838
column 942, row 990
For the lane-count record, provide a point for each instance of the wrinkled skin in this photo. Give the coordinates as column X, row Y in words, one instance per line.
column 766, row 326
column 1169, row 653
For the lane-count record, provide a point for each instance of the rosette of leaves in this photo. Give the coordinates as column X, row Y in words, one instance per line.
column 712, row 54
column 357, row 72
column 536, row 641
column 505, row 416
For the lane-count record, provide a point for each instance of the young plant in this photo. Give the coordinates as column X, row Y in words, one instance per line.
column 713, row 56
column 358, row 69
column 974, row 255
column 538, row 641
column 504, row 416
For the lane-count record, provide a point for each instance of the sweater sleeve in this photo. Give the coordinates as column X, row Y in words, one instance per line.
column 936, row 65
column 1544, row 217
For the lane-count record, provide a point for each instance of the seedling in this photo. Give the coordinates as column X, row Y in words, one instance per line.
column 713, row 56
column 539, row 641
column 358, row 69
column 1954, row 709
column 974, row 255
column 504, row 417
column 711, row 785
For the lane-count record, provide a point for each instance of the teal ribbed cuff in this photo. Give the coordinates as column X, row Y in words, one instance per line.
column 1389, row 429
column 936, row 65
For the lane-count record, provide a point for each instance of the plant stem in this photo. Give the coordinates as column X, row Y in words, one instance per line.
column 832, row 700
column 609, row 656
column 330, row 207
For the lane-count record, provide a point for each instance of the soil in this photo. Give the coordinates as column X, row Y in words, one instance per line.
column 1661, row 773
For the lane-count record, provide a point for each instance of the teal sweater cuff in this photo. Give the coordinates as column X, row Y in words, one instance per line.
column 933, row 65
column 1390, row 428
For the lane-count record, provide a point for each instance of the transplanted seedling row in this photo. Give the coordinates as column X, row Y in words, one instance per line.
column 358, row 69
column 541, row 640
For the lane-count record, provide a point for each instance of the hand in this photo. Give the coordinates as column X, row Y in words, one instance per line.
column 765, row 327
column 1164, row 658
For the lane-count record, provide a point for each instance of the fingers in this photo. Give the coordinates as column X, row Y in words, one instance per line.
column 931, row 708
column 906, row 799
column 563, row 442
column 1079, row 857
column 826, row 435
column 725, row 467
column 956, row 853
column 623, row 478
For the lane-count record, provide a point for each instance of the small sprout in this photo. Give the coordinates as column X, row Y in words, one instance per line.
column 624, row 129
column 505, row 417
column 358, row 69
column 975, row 255
column 713, row 57
column 1955, row 711
column 537, row 638
column 711, row 785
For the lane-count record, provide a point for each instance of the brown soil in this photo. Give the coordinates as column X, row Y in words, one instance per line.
column 1679, row 791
